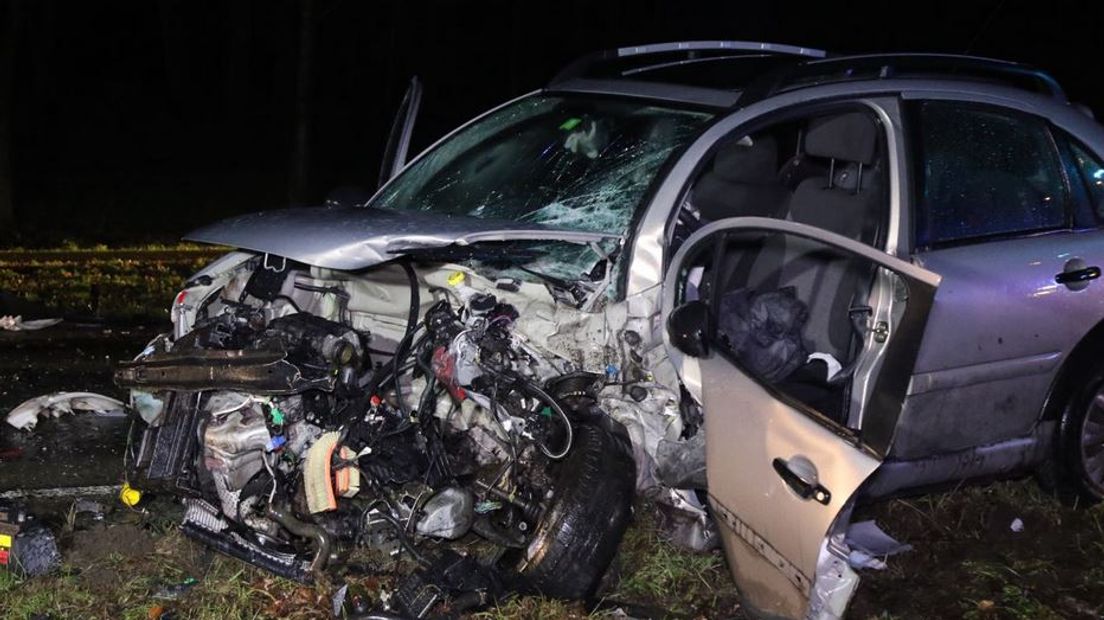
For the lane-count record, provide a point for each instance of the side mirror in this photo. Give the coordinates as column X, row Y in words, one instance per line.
column 688, row 328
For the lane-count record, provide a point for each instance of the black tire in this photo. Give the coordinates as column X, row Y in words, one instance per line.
column 578, row 535
column 34, row 552
column 1076, row 470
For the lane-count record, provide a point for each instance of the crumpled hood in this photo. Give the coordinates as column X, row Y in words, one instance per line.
column 350, row 238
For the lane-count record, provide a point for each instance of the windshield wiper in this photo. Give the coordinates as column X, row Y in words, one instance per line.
column 572, row 292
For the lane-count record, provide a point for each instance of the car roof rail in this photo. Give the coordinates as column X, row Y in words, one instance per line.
column 640, row 58
column 893, row 66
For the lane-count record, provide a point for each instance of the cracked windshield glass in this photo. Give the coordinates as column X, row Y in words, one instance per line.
column 570, row 162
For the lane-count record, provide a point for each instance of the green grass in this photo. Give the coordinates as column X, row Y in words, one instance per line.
column 100, row 283
column 118, row 584
column 534, row 608
column 656, row 571
column 67, row 246
column 967, row 562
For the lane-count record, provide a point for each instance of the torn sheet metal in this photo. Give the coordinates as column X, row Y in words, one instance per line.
column 650, row 420
column 357, row 238
column 17, row 324
column 25, row 416
column 684, row 520
column 835, row 583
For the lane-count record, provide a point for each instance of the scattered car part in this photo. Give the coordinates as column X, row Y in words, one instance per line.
column 27, row 547
column 17, row 324
column 25, row 415
column 870, row 545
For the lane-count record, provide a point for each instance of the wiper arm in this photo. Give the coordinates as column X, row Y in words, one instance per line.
column 571, row 292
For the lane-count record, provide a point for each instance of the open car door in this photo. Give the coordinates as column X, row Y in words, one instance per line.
column 398, row 142
column 799, row 345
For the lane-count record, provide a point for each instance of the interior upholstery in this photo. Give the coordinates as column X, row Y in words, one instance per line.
column 743, row 181
column 847, row 201
column 849, row 137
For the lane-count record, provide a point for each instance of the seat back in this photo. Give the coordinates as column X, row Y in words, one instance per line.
column 845, row 201
column 743, row 181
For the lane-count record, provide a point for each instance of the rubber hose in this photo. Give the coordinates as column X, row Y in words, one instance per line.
column 323, row 541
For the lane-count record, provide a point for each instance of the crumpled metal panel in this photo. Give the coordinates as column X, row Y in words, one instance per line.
column 350, row 238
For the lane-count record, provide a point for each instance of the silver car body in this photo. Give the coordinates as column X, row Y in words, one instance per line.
column 973, row 403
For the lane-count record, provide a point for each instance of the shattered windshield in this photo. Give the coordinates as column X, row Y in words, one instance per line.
column 574, row 162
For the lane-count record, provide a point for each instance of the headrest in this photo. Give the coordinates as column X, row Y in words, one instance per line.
column 848, row 137
column 748, row 160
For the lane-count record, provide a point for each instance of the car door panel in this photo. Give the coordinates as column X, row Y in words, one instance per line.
column 1000, row 329
column 994, row 341
column 768, row 529
column 993, row 344
column 779, row 472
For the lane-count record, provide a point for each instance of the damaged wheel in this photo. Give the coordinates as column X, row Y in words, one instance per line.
column 1076, row 473
column 581, row 528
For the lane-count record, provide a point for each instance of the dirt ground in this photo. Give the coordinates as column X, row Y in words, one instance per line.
column 967, row 561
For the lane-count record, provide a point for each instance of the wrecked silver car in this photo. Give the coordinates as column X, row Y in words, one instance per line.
column 659, row 276
column 409, row 374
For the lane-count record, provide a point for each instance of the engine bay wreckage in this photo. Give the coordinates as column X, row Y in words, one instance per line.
column 381, row 392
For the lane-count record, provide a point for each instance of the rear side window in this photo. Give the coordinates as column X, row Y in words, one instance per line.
column 985, row 172
column 1092, row 173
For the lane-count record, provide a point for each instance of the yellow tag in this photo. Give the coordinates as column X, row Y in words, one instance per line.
column 456, row 278
column 5, row 540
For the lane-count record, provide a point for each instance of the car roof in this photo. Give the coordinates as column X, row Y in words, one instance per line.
column 734, row 74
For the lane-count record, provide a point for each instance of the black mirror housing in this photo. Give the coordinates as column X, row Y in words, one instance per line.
column 688, row 328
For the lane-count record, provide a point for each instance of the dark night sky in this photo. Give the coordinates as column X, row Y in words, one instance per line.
column 138, row 120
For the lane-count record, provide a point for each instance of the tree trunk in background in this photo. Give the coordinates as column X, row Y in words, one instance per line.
column 300, row 156
column 8, row 42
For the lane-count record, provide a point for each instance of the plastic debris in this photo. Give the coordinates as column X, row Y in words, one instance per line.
column 17, row 324
column 1017, row 525
column 861, row 559
column 338, row 600
column 85, row 506
column 174, row 591
column 351, row 602
column 870, row 545
column 25, row 416
column 129, row 495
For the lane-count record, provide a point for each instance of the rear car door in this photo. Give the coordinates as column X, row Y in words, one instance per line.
column 782, row 462
column 999, row 214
